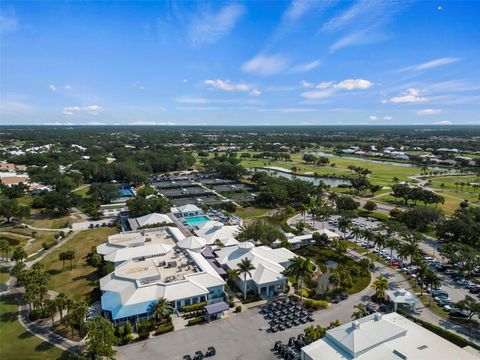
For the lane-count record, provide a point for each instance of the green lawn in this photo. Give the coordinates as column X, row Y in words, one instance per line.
column 82, row 191
column 250, row 212
column 16, row 237
column 79, row 282
column 4, row 274
column 16, row 342
column 382, row 174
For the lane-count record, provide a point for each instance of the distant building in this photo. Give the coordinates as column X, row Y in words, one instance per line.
column 213, row 231
column 9, row 179
column 186, row 211
column 383, row 337
column 147, row 220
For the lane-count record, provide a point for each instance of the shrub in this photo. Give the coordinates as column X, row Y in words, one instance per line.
column 128, row 328
column 195, row 321
column 238, row 309
column 143, row 329
column 370, row 205
column 164, row 329
column 193, row 307
column 36, row 314
column 315, row 304
column 47, row 245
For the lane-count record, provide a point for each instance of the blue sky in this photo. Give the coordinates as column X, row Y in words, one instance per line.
column 240, row 63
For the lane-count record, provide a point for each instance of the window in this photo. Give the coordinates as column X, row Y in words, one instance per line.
column 187, row 302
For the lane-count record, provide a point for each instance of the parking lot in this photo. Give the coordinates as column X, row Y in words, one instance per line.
column 244, row 336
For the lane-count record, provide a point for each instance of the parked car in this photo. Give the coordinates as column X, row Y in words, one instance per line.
column 457, row 313
column 439, row 293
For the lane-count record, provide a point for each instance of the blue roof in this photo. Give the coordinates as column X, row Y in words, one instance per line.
column 112, row 302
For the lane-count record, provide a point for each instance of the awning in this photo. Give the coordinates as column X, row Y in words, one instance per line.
column 217, row 308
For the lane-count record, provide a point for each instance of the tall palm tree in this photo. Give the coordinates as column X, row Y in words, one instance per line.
column 412, row 246
column 380, row 241
column 300, row 268
column 245, row 267
column 422, row 269
column 344, row 224
column 62, row 302
column 50, row 309
column 304, row 211
column 369, row 235
column 392, row 243
column 403, row 253
column 433, row 280
column 357, row 232
column 162, row 308
column 380, row 286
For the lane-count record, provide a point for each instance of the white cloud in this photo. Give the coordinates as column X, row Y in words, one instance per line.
column 444, row 122
column 363, row 23
column 226, row 85
column 152, row 123
column 266, row 65
column 58, row 124
column 411, row 95
column 90, row 110
column 255, row 92
column 429, row 112
column 208, row 27
column 432, row 64
column 388, row 118
column 68, row 87
column 306, row 67
column 354, row 84
column 307, row 84
column 52, row 87
column 289, row 110
column 191, row 100
column 372, row 118
column 328, row 88
column 95, row 123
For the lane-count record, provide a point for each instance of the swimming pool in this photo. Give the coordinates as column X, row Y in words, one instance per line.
column 196, row 220
column 126, row 192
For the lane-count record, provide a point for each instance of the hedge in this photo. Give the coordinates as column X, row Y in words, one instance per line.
column 195, row 321
column 164, row 329
column 193, row 307
column 315, row 304
column 48, row 245
column 447, row 335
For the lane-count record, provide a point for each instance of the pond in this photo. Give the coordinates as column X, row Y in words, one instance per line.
column 322, row 280
column 393, row 163
column 329, row 181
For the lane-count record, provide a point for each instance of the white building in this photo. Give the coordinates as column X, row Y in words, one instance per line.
column 148, row 220
column 267, row 278
column 383, row 337
column 212, row 231
column 186, row 211
column 150, row 265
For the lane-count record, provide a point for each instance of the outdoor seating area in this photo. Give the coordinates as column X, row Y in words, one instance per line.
column 283, row 314
column 292, row 349
column 199, row 355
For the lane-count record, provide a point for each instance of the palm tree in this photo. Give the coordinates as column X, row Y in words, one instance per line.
column 421, row 271
column 369, row 235
column 62, row 302
column 380, row 241
column 433, row 280
column 334, row 279
column 4, row 248
column 232, row 276
column 300, row 268
column 62, row 257
column 162, row 307
column 412, row 246
column 245, row 267
column 304, row 210
column 392, row 243
column 403, row 253
column 344, row 224
column 380, row 286
column 360, row 311
column 50, row 309
column 356, row 232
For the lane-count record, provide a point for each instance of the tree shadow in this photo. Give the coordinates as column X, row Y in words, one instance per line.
column 8, row 317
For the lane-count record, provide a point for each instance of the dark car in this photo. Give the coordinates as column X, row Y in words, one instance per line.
column 343, row 295
column 187, row 357
column 458, row 313
column 198, row 355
